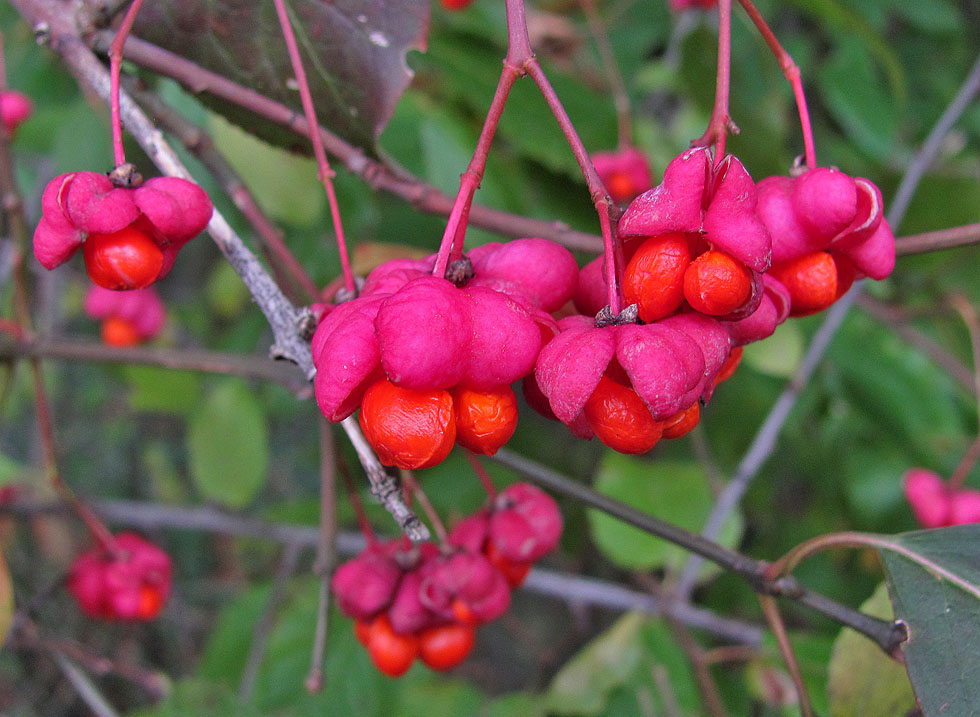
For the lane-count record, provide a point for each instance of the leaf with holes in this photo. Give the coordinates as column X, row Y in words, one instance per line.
column 934, row 584
column 353, row 52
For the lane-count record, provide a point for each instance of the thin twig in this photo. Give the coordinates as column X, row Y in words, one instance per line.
column 895, row 320
column 887, row 635
column 84, row 687
column 930, row 148
column 326, row 554
column 263, row 629
column 702, row 672
column 24, row 635
column 775, row 619
column 413, row 486
column 381, row 176
column 384, row 487
column 289, row 272
column 560, row 586
column 181, row 359
column 323, row 166
column 938, row 240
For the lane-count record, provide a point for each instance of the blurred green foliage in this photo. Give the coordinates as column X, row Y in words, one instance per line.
column 878, row 75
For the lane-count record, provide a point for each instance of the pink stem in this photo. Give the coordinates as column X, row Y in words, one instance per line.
column 355, row 500
column 600, row 197
column 115, row 68
column 518, row 54
column 614, row 252
column 482, row 474
column 721, row 121
column 452, row 239
column 792, row 74
column 323, row 166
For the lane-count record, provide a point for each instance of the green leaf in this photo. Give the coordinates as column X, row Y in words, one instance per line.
column 778, row 355
column 162, row 389
column 284, row 185
column 10, row 470
column 674, row 491
column 855, row 96
column 353, row 54
column 582, row 686
column 195, row 696
column 935, row 589
column 863, row 681
column 226, row 292
column 227, row 443
column 938, row 17
column 883, row 376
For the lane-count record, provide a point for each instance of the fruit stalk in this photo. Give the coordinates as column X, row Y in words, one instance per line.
column 115, row 68
column 792, row 73
column 323, row 166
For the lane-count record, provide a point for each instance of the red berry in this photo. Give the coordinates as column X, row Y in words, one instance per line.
column 514, row 572
column 407, row 428
column 682, row 422
column 444, row 647
column 717, row 284
column 126, row 259
column 391, row 652
column 362, row 631
column 811, row 281
column 117, row 331
column 731, row 363
column 654, row 277
column 453, row 5
column 620, row 419
column 485, row 420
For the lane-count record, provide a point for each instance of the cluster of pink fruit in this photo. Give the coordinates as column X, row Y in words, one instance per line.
column 125, row 579
column 424, row 601
column 430, row 361
column 713, row 261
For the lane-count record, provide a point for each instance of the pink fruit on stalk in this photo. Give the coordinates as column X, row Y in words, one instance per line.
column 625, row 173
column 964, row 507
column 366, row 585
column 126, row 580
column 140, row 314
column 465, row 586
column 166, row 212
column 928, row 497
column 717, row 201
column 824, row 211
column 669, row 363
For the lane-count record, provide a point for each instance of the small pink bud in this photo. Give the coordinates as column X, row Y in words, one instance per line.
column 927, row 495
column 964, row 507
column 15, row 108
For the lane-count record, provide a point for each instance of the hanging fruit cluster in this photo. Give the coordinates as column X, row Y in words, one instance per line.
column 423, row 601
